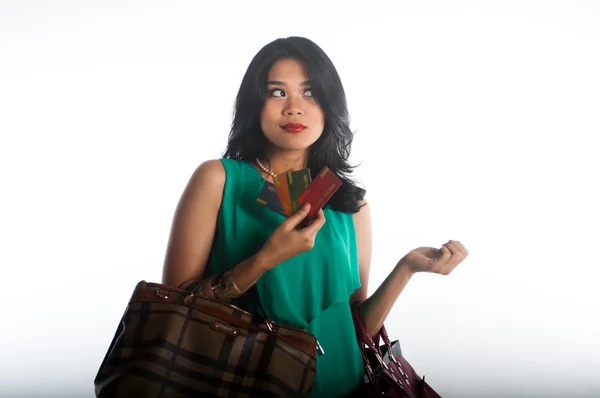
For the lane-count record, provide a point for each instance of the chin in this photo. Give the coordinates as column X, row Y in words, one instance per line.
column 292, row 142
column 293, row 146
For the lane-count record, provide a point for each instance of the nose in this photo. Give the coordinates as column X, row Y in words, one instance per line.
column 293, row 107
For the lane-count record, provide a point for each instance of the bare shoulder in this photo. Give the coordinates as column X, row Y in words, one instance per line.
column 194, row 224
column 364, row 214
column 209, row 174
column 205, row 187
column 362, row 223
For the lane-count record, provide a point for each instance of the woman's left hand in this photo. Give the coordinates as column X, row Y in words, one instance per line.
column 440, row 261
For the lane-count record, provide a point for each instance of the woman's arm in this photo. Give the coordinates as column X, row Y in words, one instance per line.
column 375, row 309
column 193, row 230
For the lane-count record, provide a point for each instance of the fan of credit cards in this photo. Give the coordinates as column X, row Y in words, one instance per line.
column 293, row 189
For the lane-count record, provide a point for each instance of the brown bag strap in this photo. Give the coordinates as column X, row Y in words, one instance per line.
column 250, row 295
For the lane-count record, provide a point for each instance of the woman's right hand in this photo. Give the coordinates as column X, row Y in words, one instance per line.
column 288, row 241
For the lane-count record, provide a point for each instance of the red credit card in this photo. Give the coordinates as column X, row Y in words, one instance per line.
column 320, row 191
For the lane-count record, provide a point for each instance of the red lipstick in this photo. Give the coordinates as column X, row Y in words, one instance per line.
column 293, row 127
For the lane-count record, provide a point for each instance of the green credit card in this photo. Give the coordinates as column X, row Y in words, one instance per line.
column 298, row 181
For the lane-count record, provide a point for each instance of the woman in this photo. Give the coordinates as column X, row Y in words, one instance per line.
column 291, row 113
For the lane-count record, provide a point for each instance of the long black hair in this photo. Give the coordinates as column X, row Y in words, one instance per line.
column 332, row 149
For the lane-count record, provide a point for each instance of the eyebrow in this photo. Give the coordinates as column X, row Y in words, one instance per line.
column 280, row 83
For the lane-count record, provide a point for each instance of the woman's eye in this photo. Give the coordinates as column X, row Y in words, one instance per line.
column 277, row 92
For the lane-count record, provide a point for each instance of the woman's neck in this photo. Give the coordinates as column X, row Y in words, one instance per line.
column 280, row 162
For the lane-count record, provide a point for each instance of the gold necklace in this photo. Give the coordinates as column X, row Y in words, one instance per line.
column 263, row 168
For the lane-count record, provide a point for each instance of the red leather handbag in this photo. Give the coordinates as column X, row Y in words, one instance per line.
column 387, row 372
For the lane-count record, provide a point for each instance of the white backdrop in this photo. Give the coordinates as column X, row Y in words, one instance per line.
column 475, row 121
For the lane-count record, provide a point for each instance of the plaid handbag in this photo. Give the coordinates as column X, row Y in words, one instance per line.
column 174, row 343
column 387, row 372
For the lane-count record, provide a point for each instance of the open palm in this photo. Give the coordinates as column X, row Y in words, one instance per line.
column 440, row 261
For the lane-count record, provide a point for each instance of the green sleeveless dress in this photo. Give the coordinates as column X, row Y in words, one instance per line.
column 310, row 291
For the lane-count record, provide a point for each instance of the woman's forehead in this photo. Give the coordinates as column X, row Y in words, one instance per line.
column 288, row 71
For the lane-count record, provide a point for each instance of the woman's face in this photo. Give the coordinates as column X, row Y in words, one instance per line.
column 291, row 119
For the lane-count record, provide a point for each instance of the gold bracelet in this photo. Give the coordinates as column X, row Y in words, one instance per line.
column 224, row 288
